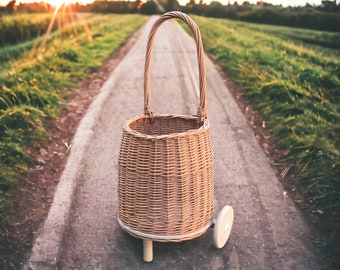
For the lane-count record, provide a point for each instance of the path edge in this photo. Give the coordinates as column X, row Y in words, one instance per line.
column 45, row 250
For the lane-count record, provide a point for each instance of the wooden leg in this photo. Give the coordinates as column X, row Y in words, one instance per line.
column 147, row 250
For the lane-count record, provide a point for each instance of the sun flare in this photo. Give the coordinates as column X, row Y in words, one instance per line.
column 54, row 3
column 58, row 3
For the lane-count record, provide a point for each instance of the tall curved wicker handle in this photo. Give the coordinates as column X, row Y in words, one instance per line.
column 202, row 109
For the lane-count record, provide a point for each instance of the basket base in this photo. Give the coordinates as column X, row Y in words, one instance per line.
column 164, row 238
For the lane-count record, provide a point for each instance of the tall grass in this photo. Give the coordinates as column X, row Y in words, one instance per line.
column 295, row 86
column 34, row 87
column 22, row 27
column 70, row 24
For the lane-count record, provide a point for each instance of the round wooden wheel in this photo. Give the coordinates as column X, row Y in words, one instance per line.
column 223, row 226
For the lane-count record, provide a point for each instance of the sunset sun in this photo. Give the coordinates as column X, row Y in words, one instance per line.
column 58, row 3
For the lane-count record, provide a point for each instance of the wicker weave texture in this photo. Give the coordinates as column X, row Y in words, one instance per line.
column 165, row 185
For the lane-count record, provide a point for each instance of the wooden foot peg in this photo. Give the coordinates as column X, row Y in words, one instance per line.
column 147, row 250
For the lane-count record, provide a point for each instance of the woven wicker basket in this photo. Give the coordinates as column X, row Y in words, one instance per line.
column 165, row 188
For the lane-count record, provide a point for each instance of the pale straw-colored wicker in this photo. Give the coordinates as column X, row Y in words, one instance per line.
column 165, row 187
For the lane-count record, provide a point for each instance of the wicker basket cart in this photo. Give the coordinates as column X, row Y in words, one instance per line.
column 165, row 183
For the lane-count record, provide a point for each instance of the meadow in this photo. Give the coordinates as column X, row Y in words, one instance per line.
column 291, row 77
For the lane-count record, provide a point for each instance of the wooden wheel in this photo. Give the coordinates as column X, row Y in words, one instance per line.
column 223, row 226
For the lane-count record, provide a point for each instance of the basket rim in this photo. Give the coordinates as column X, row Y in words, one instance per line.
column 204, row 126
column 168, row 238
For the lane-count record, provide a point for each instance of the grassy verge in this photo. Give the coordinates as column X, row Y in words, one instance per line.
column 295, row 85
column 34, row 87
column 22, row 27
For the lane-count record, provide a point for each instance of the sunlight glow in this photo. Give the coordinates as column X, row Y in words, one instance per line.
column 63, row 21
column 55, row 3
column 58, row 3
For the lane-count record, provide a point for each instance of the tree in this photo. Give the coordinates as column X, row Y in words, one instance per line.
column 10, row 7
column 216, row 9
column 149, row 8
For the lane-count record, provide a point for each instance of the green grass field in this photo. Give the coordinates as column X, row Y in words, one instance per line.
column 35, row 82
column 292, row 78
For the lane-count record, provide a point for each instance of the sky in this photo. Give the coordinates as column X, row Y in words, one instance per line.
column 284, row 3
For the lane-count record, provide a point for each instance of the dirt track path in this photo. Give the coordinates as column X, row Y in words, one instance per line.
column 268, row 233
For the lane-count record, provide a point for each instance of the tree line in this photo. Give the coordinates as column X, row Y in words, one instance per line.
column 325, row 17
